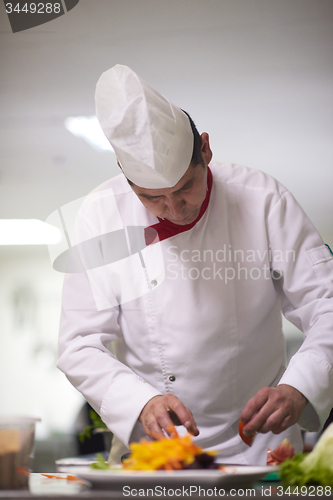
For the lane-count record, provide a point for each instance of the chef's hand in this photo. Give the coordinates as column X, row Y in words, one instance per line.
column 161, row 412
column 272, row 409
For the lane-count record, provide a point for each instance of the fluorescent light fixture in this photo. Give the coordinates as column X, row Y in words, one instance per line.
column 89, row 129
column 28, row 232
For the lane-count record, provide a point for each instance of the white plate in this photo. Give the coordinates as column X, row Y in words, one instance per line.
column 63, row 464
column 40, row 484
column 229, row 477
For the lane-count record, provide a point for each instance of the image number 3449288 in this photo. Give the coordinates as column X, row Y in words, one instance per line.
column 24, row 15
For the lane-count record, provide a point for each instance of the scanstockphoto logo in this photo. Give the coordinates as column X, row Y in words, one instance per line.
column 24, row 15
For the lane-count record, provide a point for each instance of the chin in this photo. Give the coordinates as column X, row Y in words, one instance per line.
column 190, row 218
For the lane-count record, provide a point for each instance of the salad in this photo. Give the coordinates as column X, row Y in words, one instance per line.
column 314, row 468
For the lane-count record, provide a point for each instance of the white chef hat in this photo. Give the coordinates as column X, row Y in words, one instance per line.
column 152, row 138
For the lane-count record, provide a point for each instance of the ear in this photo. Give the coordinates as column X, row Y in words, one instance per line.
column 206, row 152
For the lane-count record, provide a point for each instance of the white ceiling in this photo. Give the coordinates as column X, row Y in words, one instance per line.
column 256, row 74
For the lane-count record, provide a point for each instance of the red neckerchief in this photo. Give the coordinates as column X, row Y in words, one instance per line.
column 165, row 228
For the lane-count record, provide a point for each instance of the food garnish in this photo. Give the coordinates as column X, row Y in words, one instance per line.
column 169, row 453
column 280, row 453
column 314, row 468
column 68, row 477
column 247, row 439
column 165, row 453
column 100, row 463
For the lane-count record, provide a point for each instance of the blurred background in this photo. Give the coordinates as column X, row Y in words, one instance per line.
column 257, row 75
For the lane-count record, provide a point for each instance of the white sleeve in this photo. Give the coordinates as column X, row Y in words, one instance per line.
column 306, row 266
column 111, row 388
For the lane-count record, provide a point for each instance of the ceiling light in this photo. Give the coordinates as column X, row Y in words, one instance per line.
column 28, row 232
column 89, row 129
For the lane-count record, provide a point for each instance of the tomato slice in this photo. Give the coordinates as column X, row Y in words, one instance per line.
column 247, row 439
column 280, row 453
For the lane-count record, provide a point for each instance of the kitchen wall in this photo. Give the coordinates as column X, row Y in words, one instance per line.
column 30, row 297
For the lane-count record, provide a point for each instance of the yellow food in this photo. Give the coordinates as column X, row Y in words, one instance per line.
column 169, row 453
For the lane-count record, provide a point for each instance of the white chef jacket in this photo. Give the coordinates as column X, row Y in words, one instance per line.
column 206, row 324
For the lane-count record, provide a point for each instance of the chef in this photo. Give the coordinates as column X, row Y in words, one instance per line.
column 181, row 321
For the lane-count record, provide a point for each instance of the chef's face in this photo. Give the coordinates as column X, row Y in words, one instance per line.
column 181, row 203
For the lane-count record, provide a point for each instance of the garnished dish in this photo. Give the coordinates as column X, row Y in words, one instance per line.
column 171, row 462
column 181, row 453
column 178, row 460
column 168, row 453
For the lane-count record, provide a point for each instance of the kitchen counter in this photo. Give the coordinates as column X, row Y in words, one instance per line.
column 42, row 487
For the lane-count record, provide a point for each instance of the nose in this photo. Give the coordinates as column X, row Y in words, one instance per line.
column 175, row 207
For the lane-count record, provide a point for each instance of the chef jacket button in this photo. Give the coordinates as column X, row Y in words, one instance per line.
column 172, row 378
column 153, row 282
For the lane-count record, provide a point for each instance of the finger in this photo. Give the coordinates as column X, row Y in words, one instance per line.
column 286, row 422
column 197, row 432
column 254, row 405
column 152, row 428
column 184, row 415
column 273, row 421
column 268, row 417
column 174, row 418
column 155, row 417
column 276, row 415
column 163, row 420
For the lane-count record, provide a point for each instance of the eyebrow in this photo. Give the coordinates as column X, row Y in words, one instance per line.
column 187, row 185
column 148, row 196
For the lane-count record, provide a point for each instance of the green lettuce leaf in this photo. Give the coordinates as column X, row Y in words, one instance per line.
column 100, row 463
column 315, row 468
